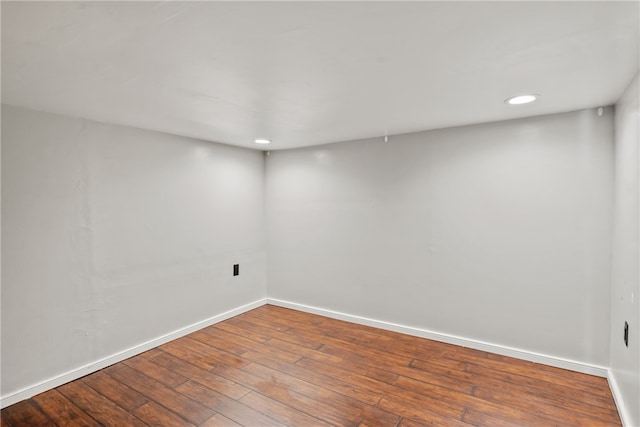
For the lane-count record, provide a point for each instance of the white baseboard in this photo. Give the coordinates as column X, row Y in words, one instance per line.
column 557, row 362
column 617, row 397
column 74, row 374
column 89, row 368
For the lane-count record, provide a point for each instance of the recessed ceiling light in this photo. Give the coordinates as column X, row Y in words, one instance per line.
column 521, row 99
column 262, row 141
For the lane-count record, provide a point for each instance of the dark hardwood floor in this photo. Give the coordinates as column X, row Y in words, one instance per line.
column 274, row 366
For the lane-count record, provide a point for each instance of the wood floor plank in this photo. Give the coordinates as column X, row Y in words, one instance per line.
column 407, row 422
column 290, row 391
column 552, row 409
column 280, row 345
column 219, row 420
column 97, row 406
column 150, row 353
column 369, row 360
column 425, row 412
column 258, row 327
column 346, row 337
column 121, row 394
column 288, row 315
column 273, row 366
column 280, row 411
column 429, row 363
column 216, row 382
column 353, row 364
column 214, row 357
column 482, row 419
column 182, row 350
column 62, row 411
column 584, row 384
column 376, row 416
column 340, row 384
column 414, row 400
column 532, row 366
column 239, row 330
column 276, row 330
column 156, row 415
column 224, row 340
column 347, row 371
column 165, row 376
column 190, row 410
column 275, row 353
column 412, row 390
column 434, row 379
column 343, row 402
column 24, row 413
column 479, row 376
column 331, row 412
column 518, row 380
column 230, row 408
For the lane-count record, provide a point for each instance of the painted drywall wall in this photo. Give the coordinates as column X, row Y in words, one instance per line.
column 498, row 232
column 113, row 236
column 625, row 277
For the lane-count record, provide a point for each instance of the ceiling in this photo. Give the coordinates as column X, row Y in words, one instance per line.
column 308, row 73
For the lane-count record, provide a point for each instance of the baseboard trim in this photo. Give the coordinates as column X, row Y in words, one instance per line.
column 617, row 397
column 89, row 368
column 74, row 374
column 557, row 362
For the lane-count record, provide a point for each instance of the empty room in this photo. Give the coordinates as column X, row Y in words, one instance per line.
column 307, row 213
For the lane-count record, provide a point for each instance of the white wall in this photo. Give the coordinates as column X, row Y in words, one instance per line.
column 498, row 232
column 625, row 278
column 112, row 236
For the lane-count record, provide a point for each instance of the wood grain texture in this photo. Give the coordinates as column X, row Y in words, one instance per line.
column 278, row 367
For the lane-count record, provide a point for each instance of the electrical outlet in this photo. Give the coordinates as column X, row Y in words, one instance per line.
column 626, row 334
column 236, row 269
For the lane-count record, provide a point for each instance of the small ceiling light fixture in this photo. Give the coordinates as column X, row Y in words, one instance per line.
column 262, row 141
column 521, row 99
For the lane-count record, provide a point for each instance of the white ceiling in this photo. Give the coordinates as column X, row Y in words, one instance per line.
column 307, row 73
